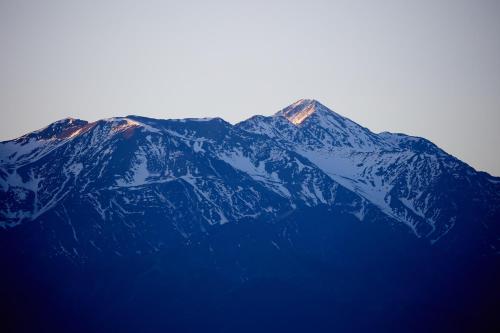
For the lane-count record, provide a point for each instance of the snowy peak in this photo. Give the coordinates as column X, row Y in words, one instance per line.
column 301, row 110
column 312, row 124
column 57, row 130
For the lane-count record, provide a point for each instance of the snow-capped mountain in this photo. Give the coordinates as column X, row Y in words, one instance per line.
column 408, row 178
column 299, row 221
column 135, row 174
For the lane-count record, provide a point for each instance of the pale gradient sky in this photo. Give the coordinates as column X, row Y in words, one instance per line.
column 426, row 68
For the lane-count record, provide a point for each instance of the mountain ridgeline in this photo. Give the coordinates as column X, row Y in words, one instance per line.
column 299, row 221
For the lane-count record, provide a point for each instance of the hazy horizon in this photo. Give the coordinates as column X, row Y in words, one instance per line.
column 429, row 69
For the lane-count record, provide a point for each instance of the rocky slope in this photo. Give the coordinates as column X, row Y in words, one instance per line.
column 303, row 220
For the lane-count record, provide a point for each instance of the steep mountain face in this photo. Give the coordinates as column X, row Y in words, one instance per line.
column 408, row 178
column 198, row 218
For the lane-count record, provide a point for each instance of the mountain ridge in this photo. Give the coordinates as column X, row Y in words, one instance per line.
column 400, row 176
column 133, row 224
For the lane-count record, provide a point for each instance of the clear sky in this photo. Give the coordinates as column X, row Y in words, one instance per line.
column 426, row 68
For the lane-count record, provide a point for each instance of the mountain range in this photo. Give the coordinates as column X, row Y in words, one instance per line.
column 303, row 220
